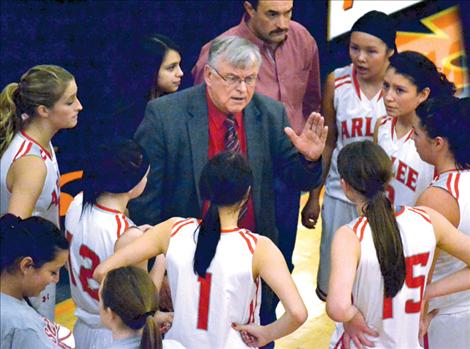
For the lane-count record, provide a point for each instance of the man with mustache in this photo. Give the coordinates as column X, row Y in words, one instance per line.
column 290, row 74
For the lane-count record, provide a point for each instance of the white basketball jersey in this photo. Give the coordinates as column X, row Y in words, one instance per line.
column 92, row 236
column 47, row 205
column 411, row 175
column 206, row 307
column 457, row 184
column 356, row 116
column 395, row 319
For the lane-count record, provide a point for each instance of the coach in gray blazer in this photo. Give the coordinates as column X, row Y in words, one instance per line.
column 175, row 134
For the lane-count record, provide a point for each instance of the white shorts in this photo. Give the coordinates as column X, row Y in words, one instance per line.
column 334, row 214
column 87, row 337
column 45, row 302
column 450, row 331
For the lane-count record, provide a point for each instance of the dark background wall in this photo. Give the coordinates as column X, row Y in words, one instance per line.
column 99, row 42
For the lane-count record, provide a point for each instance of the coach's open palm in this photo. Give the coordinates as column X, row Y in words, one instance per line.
column 311, row 141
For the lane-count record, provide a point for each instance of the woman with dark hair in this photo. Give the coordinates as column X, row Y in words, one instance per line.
column 352, row 104
column 165, row 55
column 32, row 111
column 381, row 260
column 32, row 251
column 95, row 220
column 441, row 138
column 214, row 267
column 410, row 79
column 128, row 303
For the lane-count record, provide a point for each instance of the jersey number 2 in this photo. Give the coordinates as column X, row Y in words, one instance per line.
column 411, row 282
column 85, row 273
column 204, row 301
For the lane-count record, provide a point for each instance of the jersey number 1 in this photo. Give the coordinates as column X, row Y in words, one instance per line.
column 204, row 301
column 411, row 282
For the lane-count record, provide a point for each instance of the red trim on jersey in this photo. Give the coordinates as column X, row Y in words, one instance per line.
column 412, row 131
column 360, row 221
column 456, row 185
column 248, row 242
column 356, row 84
column 19, row 151
column 342, row 77
column 421, row 212
column 385, row 120
column 180, row 224
column 107, row 209
column 39, row 145
column 380, row 95
column 340, row 341
column 229, row 230
column 394, row 122
column 118, row 226
column 400, row 211
column 345, row 82
column 249, row 233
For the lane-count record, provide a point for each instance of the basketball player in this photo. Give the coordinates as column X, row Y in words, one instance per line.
column 409, row 81
column 441, row 138
column 214, row 267
column 382, row 258
column 352, row 104
column 31, row 113
column 32, row 252
column 128, row 303
column 94, row 222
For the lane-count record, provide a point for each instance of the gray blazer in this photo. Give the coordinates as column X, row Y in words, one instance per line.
column 175, row 134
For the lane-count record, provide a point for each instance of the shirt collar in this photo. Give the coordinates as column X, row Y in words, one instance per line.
column 218, row 117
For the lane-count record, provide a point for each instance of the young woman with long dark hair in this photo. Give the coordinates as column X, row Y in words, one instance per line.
column 214, row 267
column 381, row 260
column 95, row 220
column 441, row 138
column 352, row 104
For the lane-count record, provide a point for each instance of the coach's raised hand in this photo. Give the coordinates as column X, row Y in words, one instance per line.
column 311, row 141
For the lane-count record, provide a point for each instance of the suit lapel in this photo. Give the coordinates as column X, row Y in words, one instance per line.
column 198, row 133
column 255, row 149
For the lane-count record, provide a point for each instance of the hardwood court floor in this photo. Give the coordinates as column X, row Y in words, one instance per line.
column 315, row 333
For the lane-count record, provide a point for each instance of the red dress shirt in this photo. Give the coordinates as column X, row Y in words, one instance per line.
column 217, row 145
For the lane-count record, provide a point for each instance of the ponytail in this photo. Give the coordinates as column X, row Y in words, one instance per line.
column 367, row 169
column 387, row 242
column 9, row 123
column 151, row 336
column 225, row 181
column 207, row 241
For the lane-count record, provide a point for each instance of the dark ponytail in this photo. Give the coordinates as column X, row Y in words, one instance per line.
column 131, row 294
column 116, row 167
column 224, row 181
column 367, row 169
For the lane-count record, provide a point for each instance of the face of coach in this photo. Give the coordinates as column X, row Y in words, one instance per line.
column 231, row 73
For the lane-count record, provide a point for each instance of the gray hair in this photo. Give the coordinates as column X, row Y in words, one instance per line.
column 238, row 52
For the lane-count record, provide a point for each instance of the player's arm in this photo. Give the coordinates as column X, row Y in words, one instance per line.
column 25, row 180
column 455, row 243
column 311, row 210
column 345, row 255
column 269, row 263
column 154, row 242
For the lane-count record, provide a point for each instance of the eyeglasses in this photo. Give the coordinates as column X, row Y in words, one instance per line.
column 234, row 80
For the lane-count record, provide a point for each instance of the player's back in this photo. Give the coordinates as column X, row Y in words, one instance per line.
column 395, row 319
column 92, row 236
column 206, row 307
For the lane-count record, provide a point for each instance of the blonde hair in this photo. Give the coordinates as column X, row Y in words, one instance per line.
column 40, row 85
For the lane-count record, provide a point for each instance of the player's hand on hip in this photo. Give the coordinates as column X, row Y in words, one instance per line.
column 311, row 141
column 253, row 335
column 357, row 330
